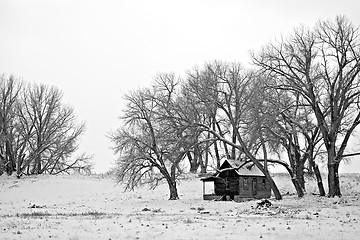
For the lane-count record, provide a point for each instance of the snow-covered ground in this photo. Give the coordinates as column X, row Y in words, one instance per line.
column 94, row 207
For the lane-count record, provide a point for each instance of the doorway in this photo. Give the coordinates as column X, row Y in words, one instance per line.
column 254, row 186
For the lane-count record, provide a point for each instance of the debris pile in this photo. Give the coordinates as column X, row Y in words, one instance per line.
column 263, row 204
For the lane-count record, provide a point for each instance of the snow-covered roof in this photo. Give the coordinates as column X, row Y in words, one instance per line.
column 232, row 162
column 248, row 169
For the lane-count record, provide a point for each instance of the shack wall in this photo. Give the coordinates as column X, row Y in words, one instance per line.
column 228, row 186
column 254, row 187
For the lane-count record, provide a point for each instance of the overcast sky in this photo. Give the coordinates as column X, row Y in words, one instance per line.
column 95, row 51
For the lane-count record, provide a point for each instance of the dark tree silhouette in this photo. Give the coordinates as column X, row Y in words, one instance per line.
column 39, row 134
column 152, row 141
column 322, row 65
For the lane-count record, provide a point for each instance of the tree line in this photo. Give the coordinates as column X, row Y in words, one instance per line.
column 38, row 132
column 299, row 99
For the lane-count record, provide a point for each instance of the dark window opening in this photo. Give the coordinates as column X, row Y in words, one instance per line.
column 246, row 184
column 254, row 186
column 227, row 185
column 264, row 184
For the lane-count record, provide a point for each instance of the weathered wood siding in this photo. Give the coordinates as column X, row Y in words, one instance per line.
column 238, row 187
column 228, row 186
column 254, row 187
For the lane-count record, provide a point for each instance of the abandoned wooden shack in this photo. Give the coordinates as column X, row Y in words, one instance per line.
column 236, row 181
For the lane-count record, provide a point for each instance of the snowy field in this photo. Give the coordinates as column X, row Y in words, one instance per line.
column 94, row 207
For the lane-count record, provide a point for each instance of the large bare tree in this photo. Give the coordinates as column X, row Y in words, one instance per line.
column 9, row 91
column 290, row 123
column 55, row 132
column 39, row 134
column 322, row 65
column 152, row 142
column 234, row 101
column 199, row 92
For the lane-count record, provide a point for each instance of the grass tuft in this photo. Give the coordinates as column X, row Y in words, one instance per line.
column 93, row 213
column 34, row 214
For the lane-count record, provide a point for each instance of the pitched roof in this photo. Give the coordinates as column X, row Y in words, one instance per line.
column 233, row 163
column 248, row 169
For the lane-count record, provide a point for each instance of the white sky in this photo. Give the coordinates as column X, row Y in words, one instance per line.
column 95, row 51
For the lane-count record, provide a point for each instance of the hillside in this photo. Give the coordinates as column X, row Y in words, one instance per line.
column 94, row 207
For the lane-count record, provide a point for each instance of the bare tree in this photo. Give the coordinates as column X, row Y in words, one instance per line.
column 54, row 132
column 234, row 100
column 152, row 142
column 199, row 92
column 322, row 65
column 9, row 91
column 291, row 125
column 38, row 133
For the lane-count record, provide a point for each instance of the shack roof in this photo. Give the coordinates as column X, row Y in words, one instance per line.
column 250, row 169
column 241, row 169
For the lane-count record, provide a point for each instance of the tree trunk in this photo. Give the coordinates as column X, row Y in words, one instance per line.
column 298, row 164
column 313, row 167
column 171, row 180
column 204, row 164
column 298, row 188
column 217, row 155
column 173, row 191
column 37, row 165
column 333, row 180
column 18, row 166
column 295, row 180
column 10, row 164
column 216, row 149
column 273, row 186
column 300, row 174
column 318, row 177
column 333, row 170
column 2, row 162
column 193, row 162
column 264, row 151
column 224, row 143
column 293, row 172
column 233, row 150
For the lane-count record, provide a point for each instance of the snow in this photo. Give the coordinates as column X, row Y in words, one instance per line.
column 95, row 207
